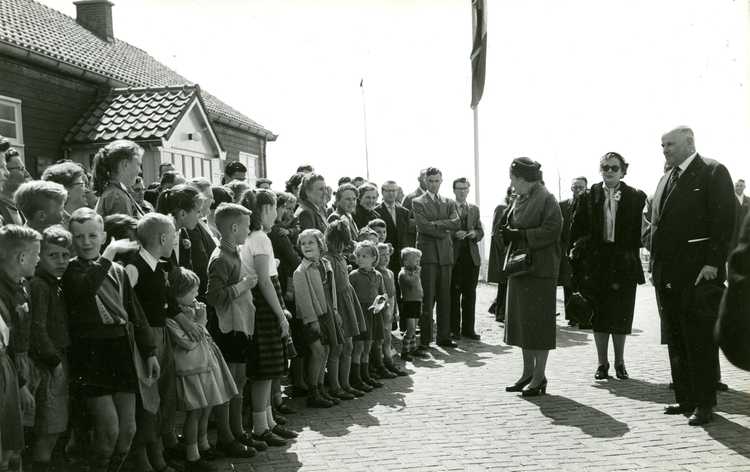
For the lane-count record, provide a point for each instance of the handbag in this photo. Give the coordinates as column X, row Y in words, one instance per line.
column 517, row 261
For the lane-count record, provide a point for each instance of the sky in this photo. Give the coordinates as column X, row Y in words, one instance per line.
column 566, row 81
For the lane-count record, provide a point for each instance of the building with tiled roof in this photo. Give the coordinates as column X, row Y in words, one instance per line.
column 59, row 75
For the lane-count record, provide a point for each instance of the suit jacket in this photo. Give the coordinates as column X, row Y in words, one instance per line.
column 693, row 227
column 411, row 234
column 435, row 220
column 473, row 223
column 497, row 247
column 397, row 230
column 741, row 212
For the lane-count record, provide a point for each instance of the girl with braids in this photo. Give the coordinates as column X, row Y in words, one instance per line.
column 183, row 203
column 267, row 353
column 116, row 167
column 339, row 241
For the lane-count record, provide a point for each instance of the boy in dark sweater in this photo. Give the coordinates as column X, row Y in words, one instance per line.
column 107, row 325
column 148, row 275
column 49, row 344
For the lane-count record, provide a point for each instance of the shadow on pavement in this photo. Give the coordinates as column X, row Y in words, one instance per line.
column 471, row 353
column 572, row 337
column 636, row 389
column 566, row 412
column 730, row 434
column 338, row 420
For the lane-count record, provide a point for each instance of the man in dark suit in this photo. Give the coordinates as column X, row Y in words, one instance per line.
column 436, row 219
column 743, row 207
column 411, row 234
column 466, row 263
column 564, row 279
column 692, row 223
column 396, row 220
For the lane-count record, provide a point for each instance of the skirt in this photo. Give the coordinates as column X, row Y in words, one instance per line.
column 51, row 400
column 613, row 312
column 11, row 422
column 267, row 358
column 103, row 366
column 207, row 389
column 531, row 304
column 331, row 333
column 352, row 318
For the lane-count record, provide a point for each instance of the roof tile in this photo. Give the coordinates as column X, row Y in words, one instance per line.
column 130, row 113
column 32, row 26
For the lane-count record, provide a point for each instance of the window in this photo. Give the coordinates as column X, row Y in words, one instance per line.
column 10, row 122
column 249, row 160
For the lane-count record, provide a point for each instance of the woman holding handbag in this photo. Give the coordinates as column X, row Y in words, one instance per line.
column 607, row 223
column 531, row 231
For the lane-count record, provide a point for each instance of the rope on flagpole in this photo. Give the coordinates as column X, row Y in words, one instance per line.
column 364, row 122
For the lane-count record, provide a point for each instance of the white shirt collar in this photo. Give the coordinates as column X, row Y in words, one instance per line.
column 149, row 258
column 431, row 195
column 687, row 162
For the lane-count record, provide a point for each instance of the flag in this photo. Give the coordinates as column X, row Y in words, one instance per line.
column 478, row 50
column 361, row 83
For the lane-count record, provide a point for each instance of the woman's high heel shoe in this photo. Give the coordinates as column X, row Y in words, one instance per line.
column 541, row 389
column 602, row 372
column 517, row 387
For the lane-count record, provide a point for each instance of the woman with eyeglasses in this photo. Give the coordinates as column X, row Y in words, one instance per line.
column 606, row 241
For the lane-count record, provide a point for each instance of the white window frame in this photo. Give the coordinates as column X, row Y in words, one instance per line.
column 251, row 162
column 16, row 142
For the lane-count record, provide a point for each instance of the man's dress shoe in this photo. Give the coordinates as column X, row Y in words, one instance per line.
column 678, row 409
column 700, row 416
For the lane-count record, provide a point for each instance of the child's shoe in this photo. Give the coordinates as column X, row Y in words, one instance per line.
column 356, row 380
column 324, row 393
column 283, row 432
column 365, row 374
column 273, row 440
column 316, row 400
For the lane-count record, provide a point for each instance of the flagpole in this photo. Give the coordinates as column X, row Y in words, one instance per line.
column 364, row 121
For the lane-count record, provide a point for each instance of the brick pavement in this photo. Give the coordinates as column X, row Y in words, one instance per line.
column 453, row 414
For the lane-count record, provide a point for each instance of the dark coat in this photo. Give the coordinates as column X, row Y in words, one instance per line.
column 310, row 217
column 497, row 247
column 587, row 234
column 9, row 213
column 566, row 208
column 694, row 226
column 396, row 232
column 733, row 327
column 538, row 214
column 362, row 216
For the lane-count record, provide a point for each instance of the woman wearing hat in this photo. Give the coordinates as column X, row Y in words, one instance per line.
column 606, row 224
column 531, row 226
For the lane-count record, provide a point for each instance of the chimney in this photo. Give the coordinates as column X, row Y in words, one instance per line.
column 96, row 16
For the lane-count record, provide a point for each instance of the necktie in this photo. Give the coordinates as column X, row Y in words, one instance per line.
column 670, row 185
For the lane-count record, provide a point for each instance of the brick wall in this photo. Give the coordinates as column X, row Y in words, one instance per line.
column 235, row 140
column 52, row 103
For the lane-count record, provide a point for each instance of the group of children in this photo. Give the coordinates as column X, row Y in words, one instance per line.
column 105, row 337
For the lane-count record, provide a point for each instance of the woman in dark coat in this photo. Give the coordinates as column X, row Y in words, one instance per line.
column 606, row 233
column 311, row 213
column 534, row 223
column 497, row 255
column 366, row 203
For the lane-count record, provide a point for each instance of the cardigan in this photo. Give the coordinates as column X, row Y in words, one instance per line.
column 309, row 290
